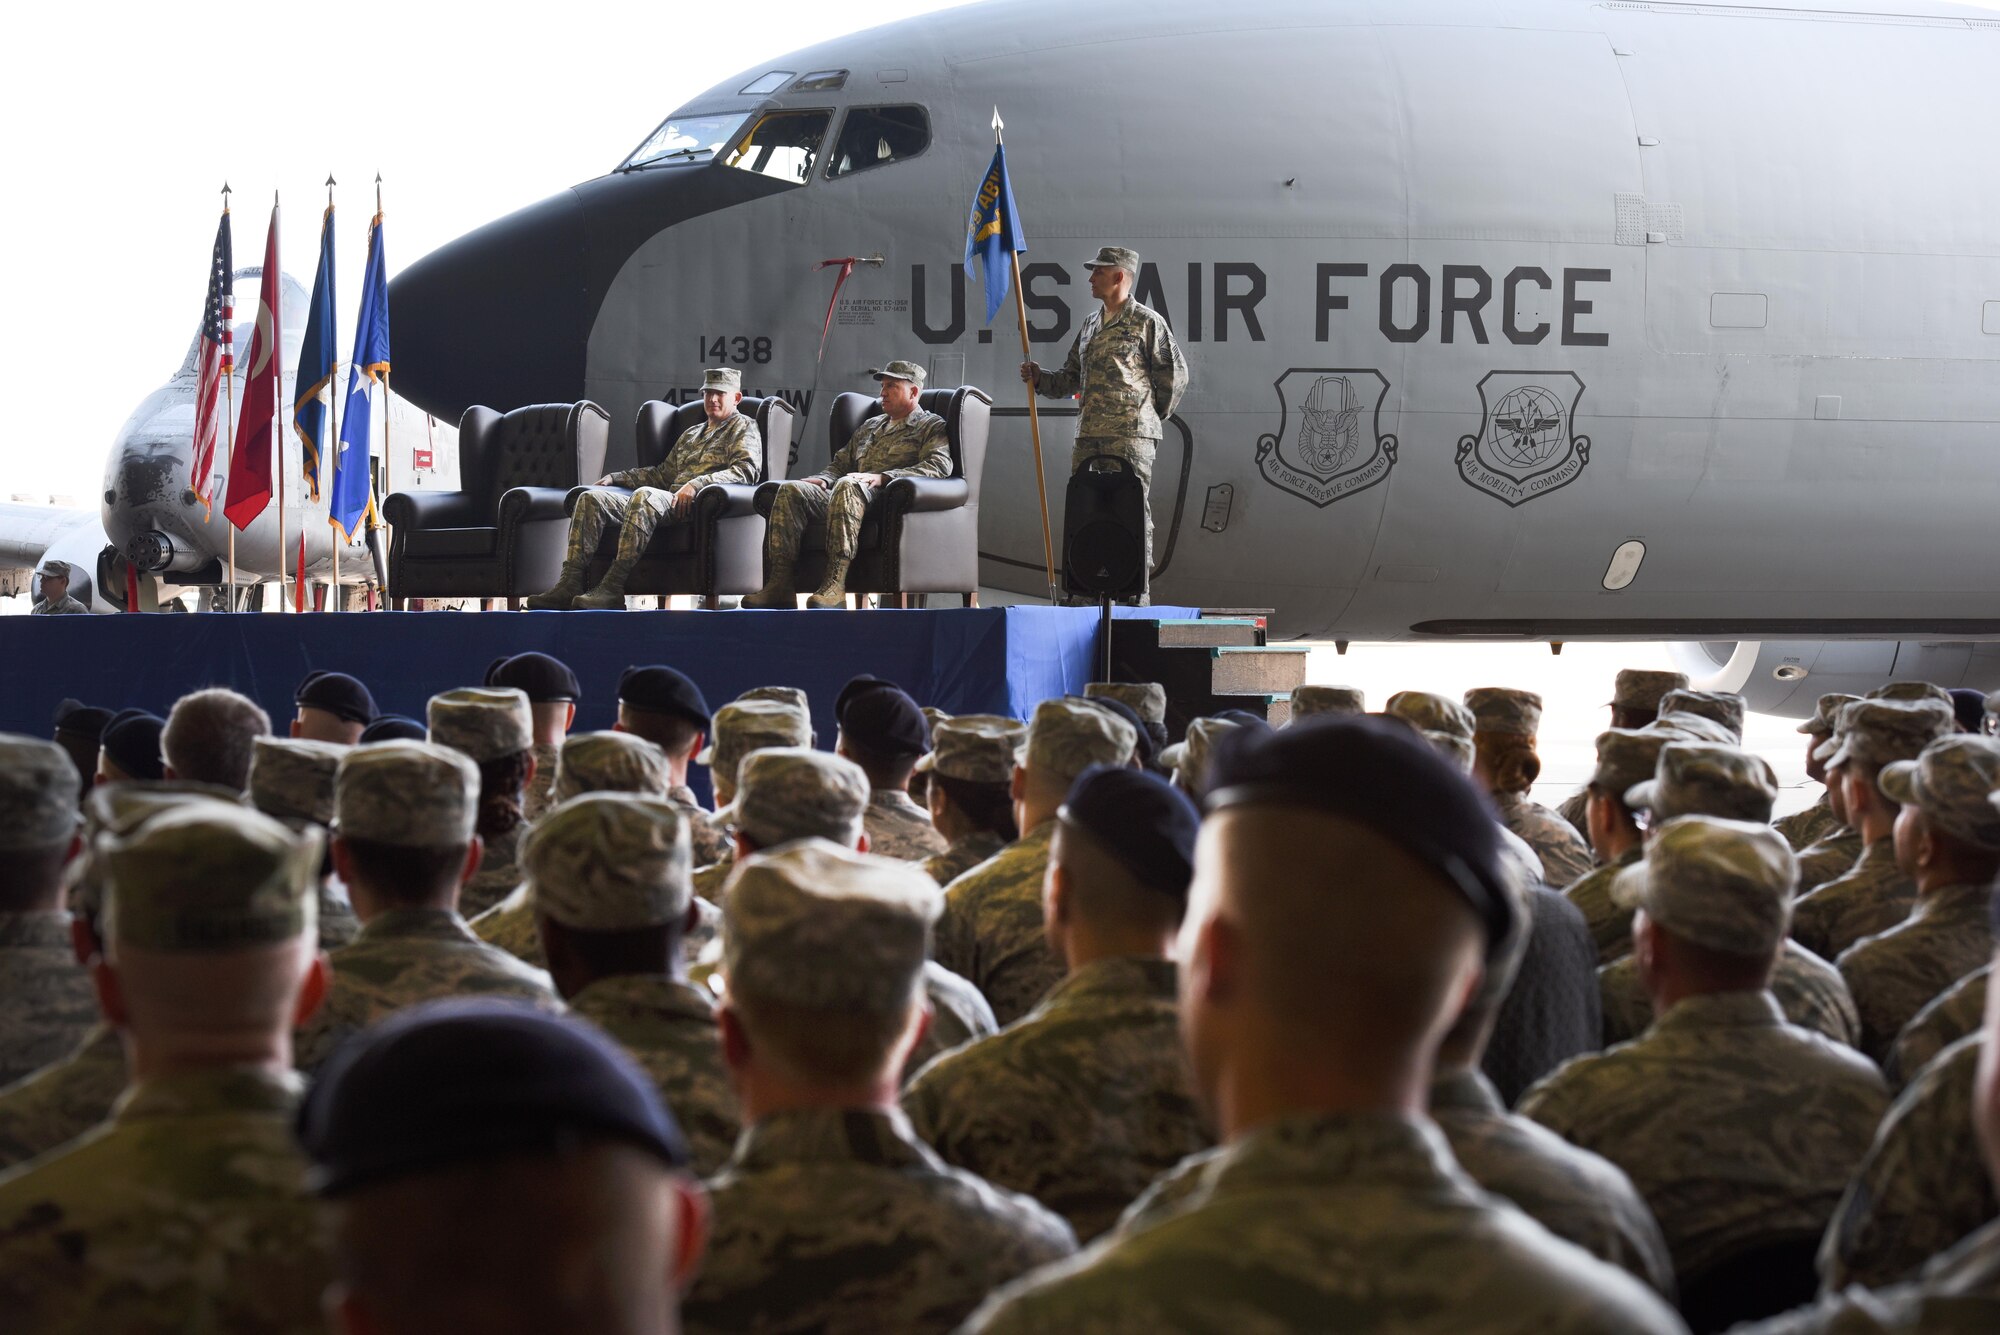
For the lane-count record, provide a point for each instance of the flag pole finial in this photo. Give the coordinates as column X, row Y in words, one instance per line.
column 998, row 125
column 378, row 192
column 225, row 192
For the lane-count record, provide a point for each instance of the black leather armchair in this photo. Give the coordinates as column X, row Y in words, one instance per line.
column 720, row 548
column 504, row 533
column 921, row 534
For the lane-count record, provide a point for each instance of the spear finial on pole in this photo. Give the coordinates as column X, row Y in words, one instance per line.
column 998, row 125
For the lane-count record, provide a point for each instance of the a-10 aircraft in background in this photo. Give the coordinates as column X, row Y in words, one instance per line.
column 1544, row 319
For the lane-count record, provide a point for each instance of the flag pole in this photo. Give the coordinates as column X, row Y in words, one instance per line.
column 1034, row 417
column 373, row 517
column 229, row 413
column 333, row 434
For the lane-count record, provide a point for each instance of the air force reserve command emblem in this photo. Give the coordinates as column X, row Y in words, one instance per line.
column 1526, row 446
column 1338, row 447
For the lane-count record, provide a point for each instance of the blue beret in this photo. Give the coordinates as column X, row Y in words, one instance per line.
column 131, row 741
column 459, row 1081
column 395, row 728
column 544, row 680
column 338, row 694
column 662, row 690
column 1382, row 775
column 1141, row 820
column 81, row 720
column 882, row 718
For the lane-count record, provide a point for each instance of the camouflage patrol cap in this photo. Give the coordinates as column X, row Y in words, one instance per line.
column 1147, row 699
column 1343, row 700
column 610, row 862
column 1068, row 736
column 818, row 926
column 934, row 716
column 1446, row 724
column 1626, row 758
column 978, row 748
column 1825, row 713
column 1721, row 707
column 1685, row 727
column 751, row 725
column 1115, row 257
column 610, row 762
column 725, row 378
column 207, row 877
column 292, row 779
column 901, row 370
column 484, row 722
column 1504, row 709
column 784, row 695
column 1189, row 759
column 792, row 792
column 1910, row 690
column 1953, row 782
column 1707, row 779
column 119, row 809
column 1641, row 689
column 1880, row 732
column 1723, row 884
column 413, row 794
column 39, row 786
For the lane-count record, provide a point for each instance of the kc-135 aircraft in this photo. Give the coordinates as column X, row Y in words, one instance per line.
column 1545, row 319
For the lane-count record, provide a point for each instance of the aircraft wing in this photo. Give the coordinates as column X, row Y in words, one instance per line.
column 28, row 532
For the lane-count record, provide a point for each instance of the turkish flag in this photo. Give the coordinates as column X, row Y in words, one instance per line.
column 250, row 467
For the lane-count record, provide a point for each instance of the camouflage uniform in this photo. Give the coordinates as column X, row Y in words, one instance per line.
column 60, row 1102
column 1953, row 1014
column 1802, row 829
column 1958, row 1293
column 1810, row 991
column 1872, row 898
column 668, row 1026
column 1610, row 926
column 1564, row 856
column 1576, row 810
column 707, row 843
column 705, row 455
column 1895, row 974
column 959, row 1015
column 50, row 1004
column 1828, row 858
column 899, row 828
column 840, row 1220
column 541, row 789
column 963, row 855
column 1922, row 1186
column 337, row 924
column 68, row 607
column 291, row 780
column 1079, row 1104
column 486, row 723
column 1128, row 374
column 914, row 447
column 1317, row 1221
column 1340, row 700
column 1573, row 1193
column 1736, row 1127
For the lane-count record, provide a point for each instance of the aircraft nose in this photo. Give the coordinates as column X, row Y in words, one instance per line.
column 498, row 317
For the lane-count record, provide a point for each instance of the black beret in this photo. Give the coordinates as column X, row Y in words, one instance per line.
column 395, row 728
column 545, row 680
column 1969, row 708
column 77, row 719
column 662, row 690
column 1378, row 773
column 338, row 694
column 881, row 717
column 458, row 1081
column 1142, row 820
column 131, row 741
column 1144, row 748
column 1243, row 718
column 867, row 681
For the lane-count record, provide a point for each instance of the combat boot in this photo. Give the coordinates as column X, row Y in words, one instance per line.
column 778, row 593
column 609, row 595
column 558, row 598
column 832, row 589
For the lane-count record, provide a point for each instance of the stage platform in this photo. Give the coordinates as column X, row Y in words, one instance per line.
column 961, row 660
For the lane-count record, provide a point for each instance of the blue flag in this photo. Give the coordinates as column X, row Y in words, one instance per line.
column 319, row 358
column 995, row 229
column 352, row 495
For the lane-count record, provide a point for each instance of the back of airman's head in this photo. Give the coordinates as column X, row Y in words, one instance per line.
column 1952, row 783
column 1877, row 732
column 1723, row 708
column 610, row 762
column 210, row 737
column 39, row 787
column 1703, row 779
column 118, row 809
column 1626, row 758
column 1638, row 691
column 411, row 794
column 1068, row 736
column 1445, row 723
column 1505, row 710
column 1125, row 844
column 1311, row 701
column 744, row 726
column 292, row 779
column 610, row 862
column 483, row 722
column 1147, row 699
column 1189, row 759
column 1722, row 885
column 793, row 792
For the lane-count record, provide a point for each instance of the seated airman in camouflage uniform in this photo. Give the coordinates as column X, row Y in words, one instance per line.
column 1086, row 1099
column 493, row 727
column 1505, row 764
column 186, row 1211
column 884, row 732
column 723, row 447
column 1947, row 841
column 1635, row 702
column 1341, row 701
column 1128, row 374
column 992, row 929
column 1806, row 827
column 1738, row 1128
column 1954, row 1013
column 291, row 781
column 742, row 728
column 831, row 1215
column 608, row 878
column 971, row 765
column 1834, row 853
column 1875, row 895
column 552, row 691
column 49, row 1005
column 665, row 707
column 901, row 441
column 405, row 812
column 1626, row 758
column 1347, row 886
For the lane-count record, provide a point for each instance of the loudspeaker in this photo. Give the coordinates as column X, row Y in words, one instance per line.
column 1104, row 530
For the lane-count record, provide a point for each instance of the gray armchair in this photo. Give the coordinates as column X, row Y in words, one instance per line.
column 504, row 533
column 921, row 534
column 720, row 548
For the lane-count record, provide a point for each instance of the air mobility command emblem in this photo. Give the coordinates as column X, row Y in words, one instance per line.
column 1526, row 446
column 1337, row 446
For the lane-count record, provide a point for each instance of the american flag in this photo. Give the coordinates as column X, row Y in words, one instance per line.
column 217, row 360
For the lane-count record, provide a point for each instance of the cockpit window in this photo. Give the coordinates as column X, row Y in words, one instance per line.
column 877, row 136
column 768, row 83
column 684, row 139
column 821, row 81
column 783, row 145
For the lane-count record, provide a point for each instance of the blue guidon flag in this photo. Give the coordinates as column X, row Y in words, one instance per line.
column 319, row 357
column 352, row 497
column 995, row 229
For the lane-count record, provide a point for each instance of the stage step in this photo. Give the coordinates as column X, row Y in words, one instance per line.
column 1256, row 671
column 1215, row 662
column 1210, row 633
